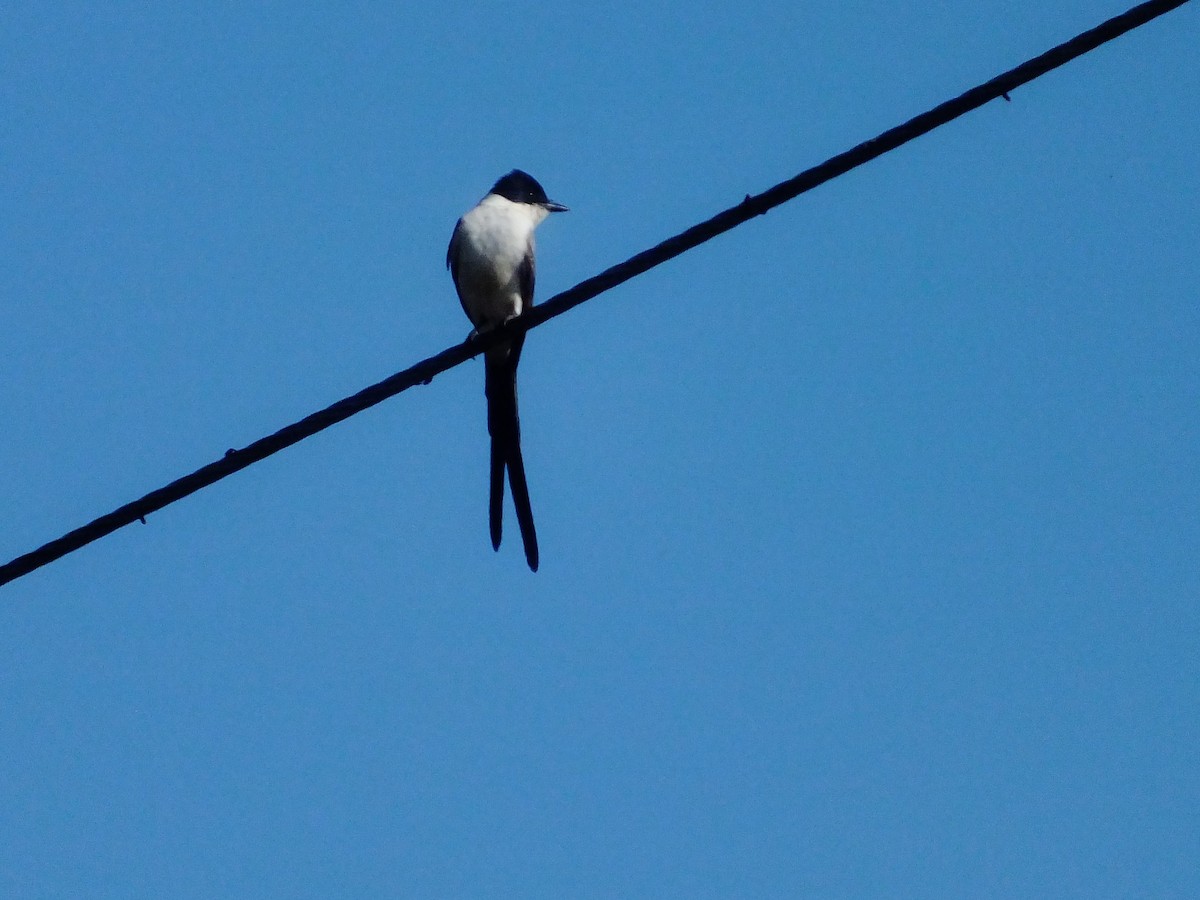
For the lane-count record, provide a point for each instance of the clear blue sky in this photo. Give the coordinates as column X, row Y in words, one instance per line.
column 870, row 546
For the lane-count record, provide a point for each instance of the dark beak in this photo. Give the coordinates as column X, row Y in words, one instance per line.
column 551, row 206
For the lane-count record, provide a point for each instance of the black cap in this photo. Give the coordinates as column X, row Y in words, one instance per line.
column 521, row 187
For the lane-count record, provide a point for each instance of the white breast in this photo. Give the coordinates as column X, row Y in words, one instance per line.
column 491, row 245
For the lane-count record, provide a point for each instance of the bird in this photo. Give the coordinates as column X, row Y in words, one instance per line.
column 491, row 260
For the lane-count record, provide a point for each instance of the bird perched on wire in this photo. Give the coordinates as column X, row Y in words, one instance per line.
column 491, row 259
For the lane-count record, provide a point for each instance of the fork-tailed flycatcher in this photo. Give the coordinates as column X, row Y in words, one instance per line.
column 492, row 263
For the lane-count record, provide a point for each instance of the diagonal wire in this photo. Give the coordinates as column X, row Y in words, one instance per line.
column 424, row 371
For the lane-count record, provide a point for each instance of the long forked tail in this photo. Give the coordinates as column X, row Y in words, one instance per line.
column 505, row 428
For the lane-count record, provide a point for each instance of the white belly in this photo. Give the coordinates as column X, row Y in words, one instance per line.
column 492, row 244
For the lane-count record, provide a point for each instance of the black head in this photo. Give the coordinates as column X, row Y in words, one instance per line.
column 521, row 187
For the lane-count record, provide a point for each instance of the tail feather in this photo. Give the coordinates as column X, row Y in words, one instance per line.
column 496, row 499
column 505, row 428
column 520, row 495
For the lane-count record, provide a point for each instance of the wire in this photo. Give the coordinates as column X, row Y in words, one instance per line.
column 424, row 371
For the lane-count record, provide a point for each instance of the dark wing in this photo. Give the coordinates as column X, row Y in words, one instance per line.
column 452, row 264
column 526, row 275
column 450, row 254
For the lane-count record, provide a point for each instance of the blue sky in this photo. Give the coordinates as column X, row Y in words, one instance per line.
column 870, row 554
